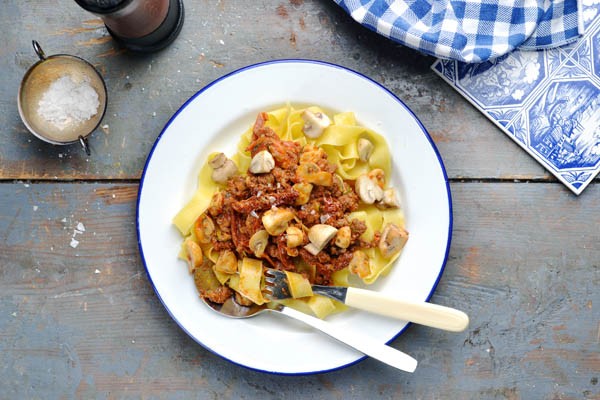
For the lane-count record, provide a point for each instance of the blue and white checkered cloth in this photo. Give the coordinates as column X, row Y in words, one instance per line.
column 470, row 30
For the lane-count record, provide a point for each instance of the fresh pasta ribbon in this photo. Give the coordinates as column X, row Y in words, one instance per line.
column 339, row 141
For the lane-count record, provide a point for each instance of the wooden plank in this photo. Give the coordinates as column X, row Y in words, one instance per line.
column 217, row 38
column 81, row 320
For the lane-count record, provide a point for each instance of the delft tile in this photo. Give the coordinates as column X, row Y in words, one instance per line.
column 547, row 101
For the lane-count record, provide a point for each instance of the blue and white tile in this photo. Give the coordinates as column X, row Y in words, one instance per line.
column 547, row 101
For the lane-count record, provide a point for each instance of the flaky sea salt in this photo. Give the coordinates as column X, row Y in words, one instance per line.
column 67, row 101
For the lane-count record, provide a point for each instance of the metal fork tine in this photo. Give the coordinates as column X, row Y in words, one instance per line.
column 276, row 287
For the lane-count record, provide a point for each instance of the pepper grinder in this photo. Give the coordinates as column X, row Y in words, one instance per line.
column 139, row 25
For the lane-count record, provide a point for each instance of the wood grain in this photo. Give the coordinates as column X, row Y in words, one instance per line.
column 84, row 321
column 79, row 318
column 217, row 38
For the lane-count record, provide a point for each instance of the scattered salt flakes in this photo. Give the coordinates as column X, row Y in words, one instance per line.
column 106, row 128
column 154, row 113
column 222, row 42
column 51, row 248
column 97, row 271
column 258, row 193
column 63, row 220
column 133, row 341
column 60, row 155
column 80, row 227
column 127, row 77
column 74, row 243
column 178, row 70
column 14, row 314
column 26, row 185
column 114, row 196
column 35, row 208
column 254, row 214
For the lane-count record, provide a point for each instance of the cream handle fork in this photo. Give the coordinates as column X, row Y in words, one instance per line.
column 422, row 313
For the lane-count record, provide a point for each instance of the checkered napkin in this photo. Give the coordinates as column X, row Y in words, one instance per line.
column 470, row 30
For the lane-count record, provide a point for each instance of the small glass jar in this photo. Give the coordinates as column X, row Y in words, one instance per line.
column 139, row 25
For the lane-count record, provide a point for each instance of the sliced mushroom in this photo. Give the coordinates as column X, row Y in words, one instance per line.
column 311, row 173
column 262, row 162
column 343, row 237
column 294, row 236
column 359, row 264
column 193, row 255
column 223, row 168
column 390, row 198
column 368, row 190
column 312, row 249
column 216, row 204
column 304, row 189
column 314, row 123
column 218, row 161
column 204, row 228
column 258, row 242
column 392, row 240
column 319, row 235
column 378, row 176
column 227, row 262
column 276, row 220
column 365, row 149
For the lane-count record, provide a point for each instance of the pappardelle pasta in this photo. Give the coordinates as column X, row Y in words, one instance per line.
column 304, row 193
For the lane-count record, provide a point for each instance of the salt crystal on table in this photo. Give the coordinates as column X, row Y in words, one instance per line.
column 74, row 243
column 80, row 227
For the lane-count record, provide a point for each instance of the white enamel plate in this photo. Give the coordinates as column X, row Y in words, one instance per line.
column 213, row 120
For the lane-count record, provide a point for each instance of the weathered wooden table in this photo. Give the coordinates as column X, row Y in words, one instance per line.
column 84, row 321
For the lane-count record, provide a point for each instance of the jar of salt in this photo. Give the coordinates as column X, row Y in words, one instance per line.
column 139, row 25
column 62, row 98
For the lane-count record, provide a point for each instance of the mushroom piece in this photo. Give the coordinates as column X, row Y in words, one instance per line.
column 258, row 242
column 390, row 198
column 262, row 162
column 314, row 123
column 312, row 249
column 227, row 262
column 193, row 255
column 359, row 264
column 204, row 228
column 392, row 240
column 378, row 176
column 343, row 237
column 304, row 189
column 294, row 236
column 365, row 149
column 311, row 173
column 276, row 220
column 223, row 168
column 319, row 235
column 368, row 190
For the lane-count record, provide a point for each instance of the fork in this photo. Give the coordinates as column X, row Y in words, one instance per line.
column 422, row 313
